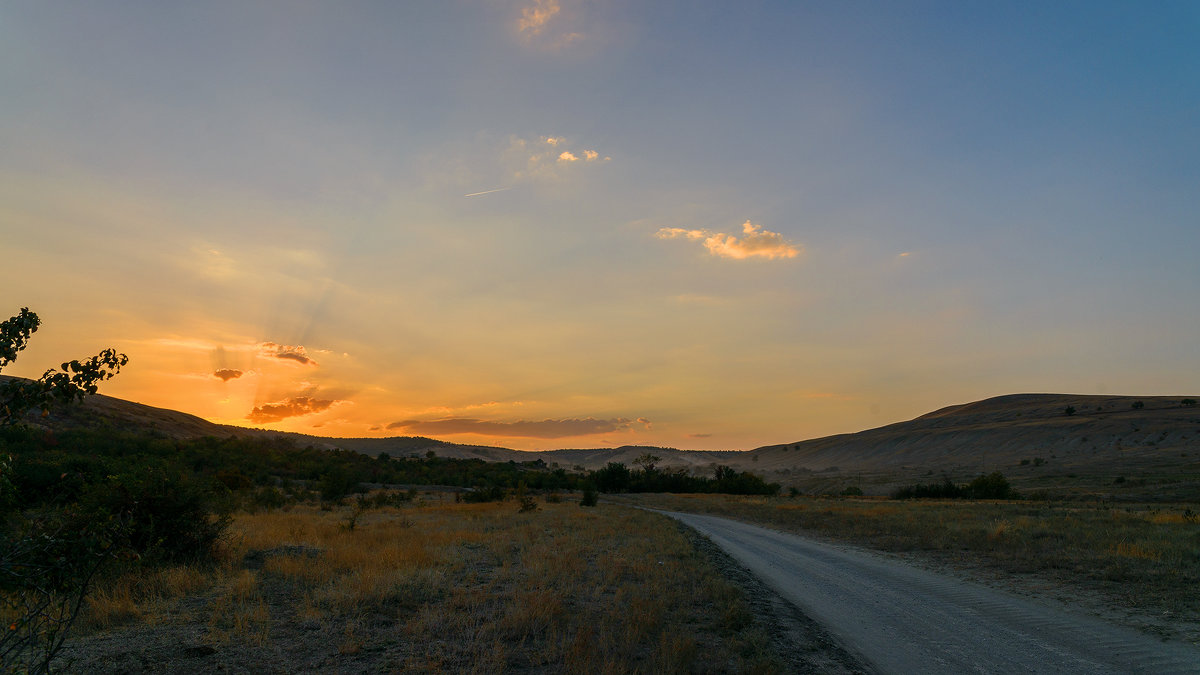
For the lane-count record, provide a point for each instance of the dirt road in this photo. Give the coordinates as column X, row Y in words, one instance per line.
column 901, row 619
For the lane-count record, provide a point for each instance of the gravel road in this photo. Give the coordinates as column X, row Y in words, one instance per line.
column 901, row 619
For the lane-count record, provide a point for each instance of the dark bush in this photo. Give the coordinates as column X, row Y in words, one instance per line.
column 991, row 486
column 944, row 490
column 589, row 496
column 162, row 517
column 484, row 494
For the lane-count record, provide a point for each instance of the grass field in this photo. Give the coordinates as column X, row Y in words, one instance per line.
column 434, row 587
column 1144, row 558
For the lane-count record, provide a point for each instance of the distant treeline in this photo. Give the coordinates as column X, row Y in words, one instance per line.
column 616, row 477
column 991, row 486
column 59, row 467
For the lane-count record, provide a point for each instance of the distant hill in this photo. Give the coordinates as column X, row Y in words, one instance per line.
column 107, row 411
column 1018, row 432
column 1109, row 432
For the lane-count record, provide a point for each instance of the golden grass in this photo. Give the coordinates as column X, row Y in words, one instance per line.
column 464, row 588
column 1134, row 550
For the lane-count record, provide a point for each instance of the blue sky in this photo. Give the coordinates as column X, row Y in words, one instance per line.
column 691, row 224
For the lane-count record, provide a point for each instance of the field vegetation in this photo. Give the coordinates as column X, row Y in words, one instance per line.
column 431, row 586
column 1144, row 558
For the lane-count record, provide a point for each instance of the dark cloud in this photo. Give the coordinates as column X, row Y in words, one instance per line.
column 227, row 374
column 699, row 435
column 520, row 428
column 295, row 353
column 292, row 407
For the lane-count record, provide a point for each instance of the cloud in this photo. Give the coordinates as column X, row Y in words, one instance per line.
column 676, row 232
column 644, row 422
column 521, row 428
column 699, row 435
column 535, row 17
column 755, row 242
column 549, row 158
column 295, row 353
column 297, row 406
column 227, row 374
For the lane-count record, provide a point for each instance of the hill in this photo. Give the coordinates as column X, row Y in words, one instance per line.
column 1153, row 439
column 106, row 411
column 1027, row 436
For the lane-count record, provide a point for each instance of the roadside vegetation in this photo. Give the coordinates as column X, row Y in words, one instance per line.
column 432, row 586
column 1145, row 557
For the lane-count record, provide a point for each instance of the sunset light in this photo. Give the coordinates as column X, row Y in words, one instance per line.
column 552, row 223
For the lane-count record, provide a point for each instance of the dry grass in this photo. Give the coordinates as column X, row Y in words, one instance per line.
column 454, row 587
column 1141, row 557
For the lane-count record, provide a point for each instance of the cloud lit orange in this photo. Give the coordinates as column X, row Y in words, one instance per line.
column 755, row 242
column 551, row 428
column 293, row 407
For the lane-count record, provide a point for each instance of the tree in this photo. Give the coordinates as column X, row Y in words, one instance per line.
column 75, row 380
column 46, row 562
column 1188, row 403
column 648, row 462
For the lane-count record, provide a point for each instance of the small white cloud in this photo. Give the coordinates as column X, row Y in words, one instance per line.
column 551, row 140
column 567, row 156
column 590, row 155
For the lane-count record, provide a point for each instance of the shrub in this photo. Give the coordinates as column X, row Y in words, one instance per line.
column 589, row 496
column 944, row 490
column 268, row 498
column 528, row 504
column 992, row 486
column 46, row 567
column 852, row 491
column 162, row 518
column 484, row 494
column 1188, row 403
column 1069, row 410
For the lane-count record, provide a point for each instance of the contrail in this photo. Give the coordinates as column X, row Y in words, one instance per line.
column 486, row 192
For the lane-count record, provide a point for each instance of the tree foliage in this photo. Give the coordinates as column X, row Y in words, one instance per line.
column 48, row 558
column 72, row 382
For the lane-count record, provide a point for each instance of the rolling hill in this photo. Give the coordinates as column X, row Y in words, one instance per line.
column 1027, row 436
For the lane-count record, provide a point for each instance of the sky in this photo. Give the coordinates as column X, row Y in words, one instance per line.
column 565, row 223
